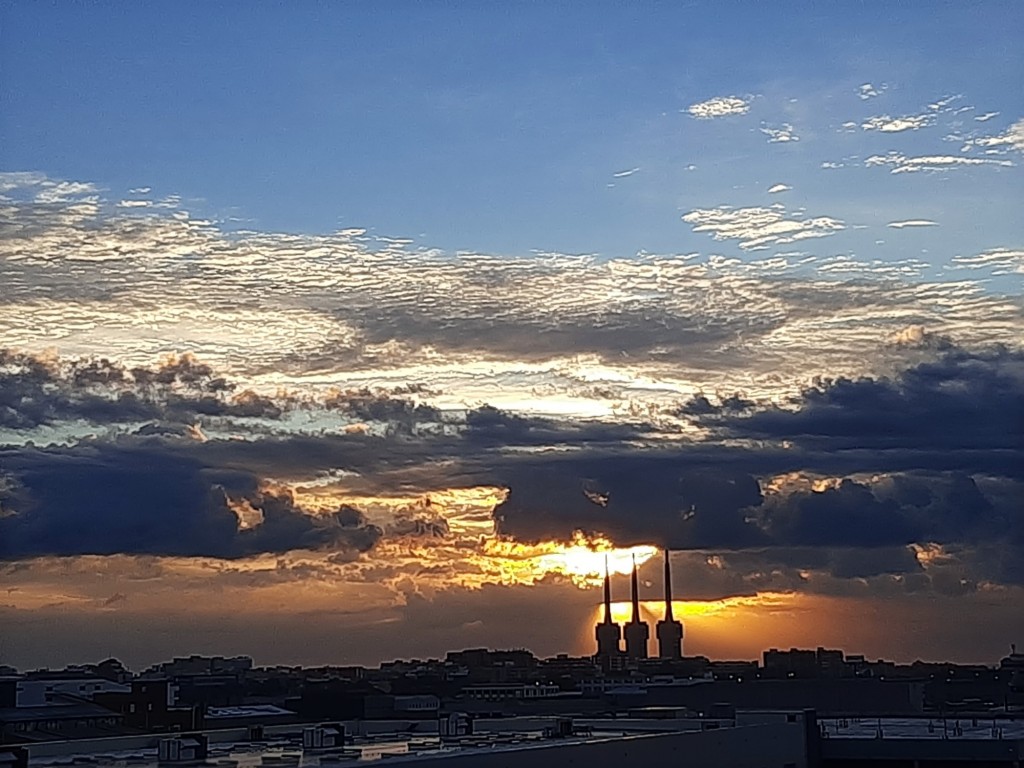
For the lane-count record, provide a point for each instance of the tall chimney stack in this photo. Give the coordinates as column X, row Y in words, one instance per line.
column 607, row 633
column 637, row 631
column 607, row 593
column 669, row 631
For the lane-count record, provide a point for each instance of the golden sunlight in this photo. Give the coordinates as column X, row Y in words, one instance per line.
column 582, row 560
column 726, row 607
column 735, row 627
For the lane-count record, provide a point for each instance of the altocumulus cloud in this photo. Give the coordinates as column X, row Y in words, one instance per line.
column 218, row 454
column 761, row 227
column 719, row 106
column 275, row 308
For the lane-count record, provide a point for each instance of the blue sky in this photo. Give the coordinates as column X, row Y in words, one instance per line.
column 498, row 130
column 418, row 309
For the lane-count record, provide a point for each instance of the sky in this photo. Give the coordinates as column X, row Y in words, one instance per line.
column 336, row 333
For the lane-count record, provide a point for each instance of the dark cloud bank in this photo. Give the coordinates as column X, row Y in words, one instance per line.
column 142, row 499
column 935, row 454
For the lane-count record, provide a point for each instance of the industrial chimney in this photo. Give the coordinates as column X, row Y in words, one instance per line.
column 637, row 631
column 669, row 631
column 607, row 632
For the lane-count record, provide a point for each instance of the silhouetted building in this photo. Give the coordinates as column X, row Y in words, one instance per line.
column 39, row 689
column 805, row 664
column 637, row 631
column 607, row 632
column 58, row 722
column 669, row 630
column 13, row 757
column 147, row 706
column 337, row 699
column 485, row 666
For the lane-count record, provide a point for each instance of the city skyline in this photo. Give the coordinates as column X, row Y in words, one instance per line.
column 334, row 333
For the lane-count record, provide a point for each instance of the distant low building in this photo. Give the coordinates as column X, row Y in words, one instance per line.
column 804, row 664
column 55, row 723
column 501, row 691
column 149, row 706
column 250, row 715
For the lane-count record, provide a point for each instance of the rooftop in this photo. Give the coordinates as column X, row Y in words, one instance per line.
column 288, row 752
column 922, row 728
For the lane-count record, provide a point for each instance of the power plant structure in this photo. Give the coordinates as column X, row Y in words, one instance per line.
column 609, row 634
column 669, row 629
column 637, row 631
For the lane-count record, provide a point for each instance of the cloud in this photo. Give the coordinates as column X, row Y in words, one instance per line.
column 963, row 400
column 625, row 174
column 887, row 124
column 869, row 470
column 649, row 499
column 1011, row 139
column 720, row 106
column 551, row 334
column 779, row 135
column 942, row 104
column 912, row 223
column 1002, row 260
column 43, row 390
column 760, row 227
column 986, row 117
column 849, row 266
column 139, row 498
column 869, row 91
column 929, row 163
column 892, row 511
column 776, row 188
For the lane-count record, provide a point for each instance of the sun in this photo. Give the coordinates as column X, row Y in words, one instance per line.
column 582, row 559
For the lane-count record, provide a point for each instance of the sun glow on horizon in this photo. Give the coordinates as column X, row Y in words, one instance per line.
column 698, row 610
column 582, row 560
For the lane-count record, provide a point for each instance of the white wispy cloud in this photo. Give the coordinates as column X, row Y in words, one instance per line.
column 624, row 174
column 912, row 223
column 941, row 104
column 901, row 163
column 782, row 134
column 720, row 106
column 986, row 117
column 869, row 91
column 351, row 309
column 134, row 204
column 1010, row 139
column 849, row 265
column 1001, row 260
column 50, row 191
column 887, row 124
column 775, row 188
column 760, row 227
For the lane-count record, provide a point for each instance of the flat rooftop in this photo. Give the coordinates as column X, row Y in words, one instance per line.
column 922, row 728
column 288, row 753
